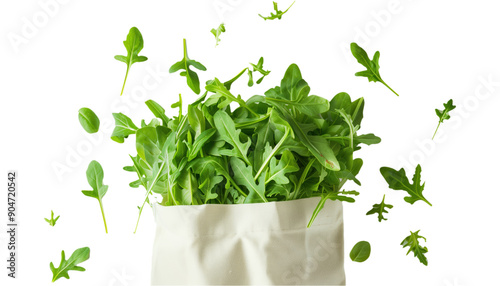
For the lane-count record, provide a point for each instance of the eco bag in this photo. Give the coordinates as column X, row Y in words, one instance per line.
column 259, row 244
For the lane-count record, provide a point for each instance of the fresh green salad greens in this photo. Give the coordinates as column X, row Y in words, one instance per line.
column 372, row 66
column 284, row 145
column 278, row 13
column 397, row 180
column 134, row 44
column 444, row 114
column 217, row 32
column 52, row 221
column 88, row 119
column 95, row 176
column 259, row 67
column 80, row 255
column 192, row 78
column 380, row 209
column 412, row 242
column 360, row 252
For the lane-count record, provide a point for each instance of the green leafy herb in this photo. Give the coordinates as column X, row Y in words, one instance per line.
column 134, row 44
column 259, row 67
column 192, row 78
column 372, row 66
column 123, row 127
column 412, row 242
column 278, row 13
column 217, row 32
column 360, row 252
column 52, row 221
column 88, row 119
column 397, row 180
column 80, row 255
column 444, row 114
column 380, row 209
column 95, row 176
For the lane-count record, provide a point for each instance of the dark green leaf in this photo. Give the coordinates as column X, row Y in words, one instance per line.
column 412, row 242
column 243, row 176
column 444, row 114
column 360, row 252
column 380, row 209
column 397, row 180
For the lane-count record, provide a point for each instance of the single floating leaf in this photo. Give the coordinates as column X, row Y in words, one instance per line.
column 397, row 180
column 89, row 120
column 52, row 221
column 360, row 252
column 380, row 209
column 95, row 176
column 134, row 44
column 412, row 242
column 217, row 32
column 192, row 78
column 444, row 114
column 278, row 13
column 372, row 66
column 80, row 255
column 123, row 127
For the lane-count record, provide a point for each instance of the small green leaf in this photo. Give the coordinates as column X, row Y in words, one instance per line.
column 372, row 66
column 134, row 44
column 157, row 110
column 95, row 176
column 52, row 221
column 80, row 255
column 278, row 13
column 380, row 209
column 123, row 127
column 217, row 32
column 192, row 78
column 397, row 180
column 412, row 242
column 89, row 121
column 243, row 176
column 228, row 132
column 444, row 114
column 360, row 252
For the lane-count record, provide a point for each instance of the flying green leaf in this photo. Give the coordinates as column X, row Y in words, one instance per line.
column 52, row 221
column 360, row 252
column 95, row 176
column 80, row 255
column 134, row 44
column 372, row 66
column 397, row 180
column 444, row 114
column 217, row 32
column 89, row 120
column 412, row 242
column 192, row 78
column 123, row 127
column 278, row 13
column 380, row 209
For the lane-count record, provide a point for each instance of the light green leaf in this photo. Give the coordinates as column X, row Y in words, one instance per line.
column 123, row 127
column 227, row 131
column 80, row 255
column 380, row 209
column 192, row 78
column 412, row 242
column 89, row 120
column 243, row 176
column 217, row 32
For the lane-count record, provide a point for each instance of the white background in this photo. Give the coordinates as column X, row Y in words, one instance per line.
column 58, row 58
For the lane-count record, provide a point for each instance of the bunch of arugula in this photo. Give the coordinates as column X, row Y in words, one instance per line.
column 283, row 145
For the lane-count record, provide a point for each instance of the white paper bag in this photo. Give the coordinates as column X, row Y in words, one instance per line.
column 259, row 244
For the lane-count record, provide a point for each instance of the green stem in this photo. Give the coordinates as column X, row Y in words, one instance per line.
column 272, row 154
column 147, row 194
column 302, row 178
column 390, row 88
column 436, row 130
column 103, row 217
column 126, row 75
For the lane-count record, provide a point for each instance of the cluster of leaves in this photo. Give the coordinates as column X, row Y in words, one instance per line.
column 284, row 145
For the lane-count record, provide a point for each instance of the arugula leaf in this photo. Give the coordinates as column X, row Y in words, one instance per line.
column 88, row 119
column 192, row 78
column 217, row 32
column 157, row 110
column 372, row 66
column 278, row 14
column 95, row 176
column 147, row 145
column 80, row 255
column 243, row 176
column 360, row 252
column 397, row 180
column 52, row 221
column 227, row 131
column 278, row 170
column 380, row 209
column 444, row 114
column 123, row 127
column 412, row 242
column 134, row 44
column 259, row 67
column 341, row 196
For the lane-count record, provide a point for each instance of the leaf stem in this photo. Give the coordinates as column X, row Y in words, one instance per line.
column 436, row 130
column 103, row 217
column 147, row 194
column 126, row 75
column 390, row 88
